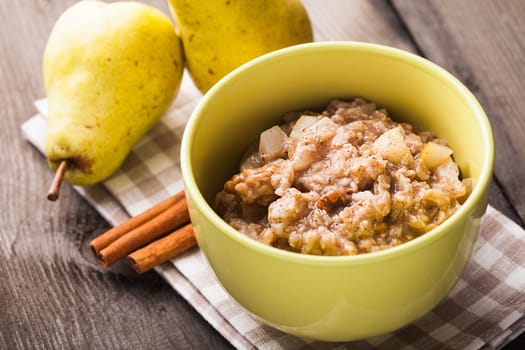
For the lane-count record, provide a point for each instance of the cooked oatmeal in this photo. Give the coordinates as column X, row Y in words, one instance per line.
column 346, row 181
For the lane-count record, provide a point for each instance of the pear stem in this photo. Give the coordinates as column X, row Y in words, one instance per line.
column 52, row 194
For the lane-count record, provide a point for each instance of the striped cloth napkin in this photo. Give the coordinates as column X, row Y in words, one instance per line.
column 485, row 310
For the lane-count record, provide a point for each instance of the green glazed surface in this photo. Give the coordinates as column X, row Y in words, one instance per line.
column 334, row 298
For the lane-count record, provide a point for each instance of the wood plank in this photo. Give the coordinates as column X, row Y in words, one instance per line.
column 369, row 21
column 460, row 36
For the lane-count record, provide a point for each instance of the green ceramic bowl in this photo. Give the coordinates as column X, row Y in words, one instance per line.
column 334, row 298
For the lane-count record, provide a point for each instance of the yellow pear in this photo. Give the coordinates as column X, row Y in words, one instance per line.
column 110, row 71
column 219, row 36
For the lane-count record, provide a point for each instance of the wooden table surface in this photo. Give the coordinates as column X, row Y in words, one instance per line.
column 53, row 295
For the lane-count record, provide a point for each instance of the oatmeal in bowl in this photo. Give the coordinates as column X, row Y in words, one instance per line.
column 345, row 181
column 350, row 221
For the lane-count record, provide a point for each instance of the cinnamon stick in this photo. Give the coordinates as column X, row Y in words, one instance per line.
column 173, row 217
column 163, row 249
column 116, row 232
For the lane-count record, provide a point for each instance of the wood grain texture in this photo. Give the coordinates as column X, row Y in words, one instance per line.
column 52, row 293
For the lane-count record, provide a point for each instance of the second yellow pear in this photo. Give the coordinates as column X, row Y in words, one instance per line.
column 219, row 36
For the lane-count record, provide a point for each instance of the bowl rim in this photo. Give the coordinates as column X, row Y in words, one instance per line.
column 429, row 237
